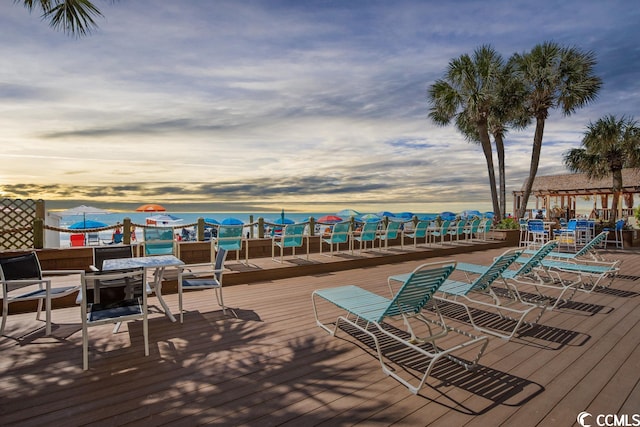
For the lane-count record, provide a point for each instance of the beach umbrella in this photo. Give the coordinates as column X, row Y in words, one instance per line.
column 284, row 221
column 428, row 217
column 328, row 219
column 86, row 224
column 163, row 218
column 212, row 221
column 447, row 215
column 348, row 212
column 388, row 214
column 489, row 215
column 470, row 213
column 405, row 215
column 369, row 217
column 151, row 207
column 231, row 221
column 84, row 210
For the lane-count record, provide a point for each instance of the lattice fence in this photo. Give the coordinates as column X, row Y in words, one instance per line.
column 16, row 222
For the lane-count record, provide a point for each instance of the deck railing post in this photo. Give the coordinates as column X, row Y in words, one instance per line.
column 126, row 231
column 260, row 228
column 38, row 233
column 200, row 230
column 312, row 227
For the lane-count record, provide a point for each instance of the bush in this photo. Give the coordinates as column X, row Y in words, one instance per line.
column 508, row 224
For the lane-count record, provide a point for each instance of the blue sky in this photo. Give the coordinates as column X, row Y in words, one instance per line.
column 262, row 105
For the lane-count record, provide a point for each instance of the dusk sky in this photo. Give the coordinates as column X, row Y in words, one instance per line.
column 261, row 105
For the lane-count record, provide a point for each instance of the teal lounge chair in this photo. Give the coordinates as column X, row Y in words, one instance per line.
column 292, row 237
column 419, row 232
column 471, row 230
column 440, row 231
column 457, row 230
column 158, row 241
column 340, row 233
column 392, row 232
column 468, row 294
column 229, row 237
column 587, row 276
column 524, row 274
column 370, row 313
column 368, row 234
column 588, row 252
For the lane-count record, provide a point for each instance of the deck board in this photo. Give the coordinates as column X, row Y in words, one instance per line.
column 266, row 363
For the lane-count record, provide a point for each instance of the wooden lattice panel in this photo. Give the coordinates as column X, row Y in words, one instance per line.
column 16, row 222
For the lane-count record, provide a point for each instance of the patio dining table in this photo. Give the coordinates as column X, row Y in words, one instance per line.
column 156, row 263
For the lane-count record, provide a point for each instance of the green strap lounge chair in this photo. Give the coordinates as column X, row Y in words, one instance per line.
column 471, row 230
column 368, row 233
column 589, row 252
column 369, row 313
column 340, row 233
column 419, row 232
column 292, row 237
column 440, row 231
column 479, row 293
column 457, row 230
column 390, row 233
column 229, row 237
column 159, row 241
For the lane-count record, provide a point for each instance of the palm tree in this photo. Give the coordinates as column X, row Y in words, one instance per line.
column 467, row 93
column 554, row 77
column 609, row 145
column 73, row 17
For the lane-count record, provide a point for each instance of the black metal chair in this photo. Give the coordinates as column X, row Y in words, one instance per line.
column 22, row 279
column 130, row 306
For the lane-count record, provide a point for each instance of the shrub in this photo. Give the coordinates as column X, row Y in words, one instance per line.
column 508, row 224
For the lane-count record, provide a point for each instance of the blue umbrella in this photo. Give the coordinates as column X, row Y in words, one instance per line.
column 231, row 221
column 405, row 215
column 488, row 214
column 284, row 221
column 428, row 217
column 347, row 213
column 369, row 218
column 85, row 224
column 385, row 213
column 470, row 213
column 212, row 221
column 447, row 215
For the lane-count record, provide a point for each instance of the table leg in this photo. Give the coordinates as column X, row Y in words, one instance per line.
column 157, row 286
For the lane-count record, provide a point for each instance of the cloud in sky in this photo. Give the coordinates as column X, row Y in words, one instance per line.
column 271, row 104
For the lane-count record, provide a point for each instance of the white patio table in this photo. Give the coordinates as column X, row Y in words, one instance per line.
column 156, row 263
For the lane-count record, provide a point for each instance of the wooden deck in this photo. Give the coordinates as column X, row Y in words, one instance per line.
column 267, row 363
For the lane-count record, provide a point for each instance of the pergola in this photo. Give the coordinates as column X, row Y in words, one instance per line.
column 557, row 194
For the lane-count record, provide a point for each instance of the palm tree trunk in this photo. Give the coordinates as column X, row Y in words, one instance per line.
column 485, row 142
column 535, row 161
column 617, row 191
column 501, row 174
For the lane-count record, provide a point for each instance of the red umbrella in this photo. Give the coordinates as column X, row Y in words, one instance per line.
column 328, row 219
column 151, row 207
